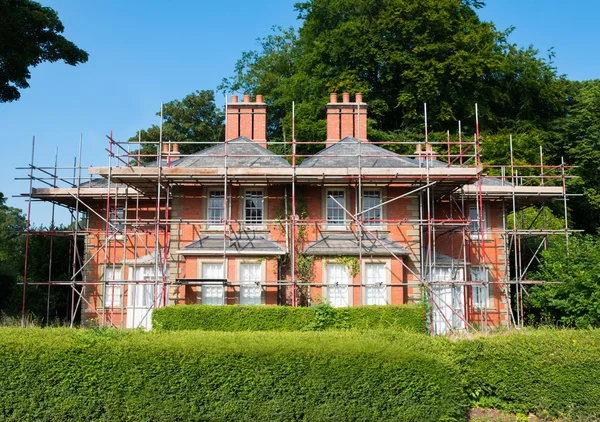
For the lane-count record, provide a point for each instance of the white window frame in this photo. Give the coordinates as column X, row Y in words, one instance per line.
column 342, row 224
column 261, row 279
column 254, row 225
column 385, row 281
column 327, row 285
column 481, row 292
column 475, row 231
column 213, row 224
column 148, row 280
column 377, row 225
column 202, row 292
column 112, row 289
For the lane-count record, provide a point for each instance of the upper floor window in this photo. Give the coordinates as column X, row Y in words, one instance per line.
column 216, row 207
column 254, row 208
column 476, row 223
column 371, row 207
column 336, row 216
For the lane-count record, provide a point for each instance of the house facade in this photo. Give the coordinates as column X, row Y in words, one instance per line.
column 355, row 224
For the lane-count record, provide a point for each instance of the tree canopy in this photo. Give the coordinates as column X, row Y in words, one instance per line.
column 30, row 35
column 196, row 118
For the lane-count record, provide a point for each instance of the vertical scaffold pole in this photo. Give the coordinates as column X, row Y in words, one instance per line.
column 27, row 230
column 293, row 246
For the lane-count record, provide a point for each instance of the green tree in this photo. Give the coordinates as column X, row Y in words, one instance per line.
column 575, row 302
column 12, row 224
column 580, row 145
column 196, row 118
column 400, row 54
column 30, row 35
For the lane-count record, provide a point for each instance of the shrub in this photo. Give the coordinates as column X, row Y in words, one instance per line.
column 551, row 373
column 61, row 374
column 285, row 318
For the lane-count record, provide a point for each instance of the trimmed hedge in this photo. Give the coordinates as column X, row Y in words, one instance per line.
column 285, row 318
column 551, row 373
column 105, row 375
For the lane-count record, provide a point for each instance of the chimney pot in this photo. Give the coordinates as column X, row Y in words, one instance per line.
column 175, row 149
column 165, row 148
column 259, row 98
column 247, row 98
column 346, row 97
column 359, row 97
column 333, row 98
column 234, row 98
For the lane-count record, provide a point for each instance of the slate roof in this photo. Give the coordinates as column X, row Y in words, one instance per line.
column 100, row 182
column 348, row 244
column 241, row 152
column 344, row 154
column 245, row 243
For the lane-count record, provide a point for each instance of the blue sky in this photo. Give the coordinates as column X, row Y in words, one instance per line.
column 145, row 52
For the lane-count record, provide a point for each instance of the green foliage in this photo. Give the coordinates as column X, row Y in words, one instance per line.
column 400, row 54
column 350, row 262
column 105, row 375
column 12, row 249
column 550, row 373
column 285, row 318
column 196, row 118
column 30, row 35
column 575, row 302
column 579, row 142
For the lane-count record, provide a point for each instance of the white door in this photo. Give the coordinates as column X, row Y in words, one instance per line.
column 448, row 300
column 213, row 294
column 250, row 292
column 337, row 285
column 142, row 297
column 375, row 290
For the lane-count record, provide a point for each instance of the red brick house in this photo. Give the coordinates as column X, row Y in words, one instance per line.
column 361, row 225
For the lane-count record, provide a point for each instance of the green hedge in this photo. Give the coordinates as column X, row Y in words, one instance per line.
column 285, row 318
column 105, row 375
column 551, row 373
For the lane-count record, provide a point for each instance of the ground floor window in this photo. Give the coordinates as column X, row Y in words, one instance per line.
column 113, row 292
column 213, row 294
column 374, row 278
column 250, row 291
column 448, row 299
column 337, row 285
column 481, row 292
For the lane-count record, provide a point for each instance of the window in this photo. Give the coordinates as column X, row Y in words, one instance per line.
column 336, row 216
column 250, row 292
column 481, row 297
column 113, row 292
column 371, row 204
column 448, row 299
column 213, row 291
column 141, row 295
column 215, row 209
column 254, row 208
column 475, row 228
column 337, row 285
column 117, row 217
column 375, row 291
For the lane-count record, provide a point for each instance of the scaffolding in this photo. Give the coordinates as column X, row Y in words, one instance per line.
column 138, row 227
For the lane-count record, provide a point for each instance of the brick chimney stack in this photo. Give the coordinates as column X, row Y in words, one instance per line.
column 343, row 118
column 247, row 119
